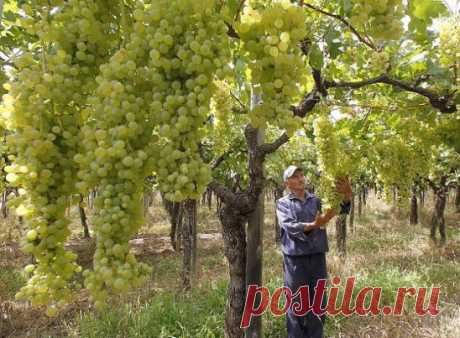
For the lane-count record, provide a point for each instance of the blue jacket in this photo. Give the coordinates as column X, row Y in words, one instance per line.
column 291, row 213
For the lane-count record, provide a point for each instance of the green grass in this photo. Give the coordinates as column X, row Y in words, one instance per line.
column 168, row 314
column 11, row 280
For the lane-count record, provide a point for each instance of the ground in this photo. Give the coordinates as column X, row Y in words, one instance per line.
column 383, row 250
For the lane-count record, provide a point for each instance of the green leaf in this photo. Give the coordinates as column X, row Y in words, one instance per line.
column 333, row 43
column 316, row 57
column 426, row 10
column 233, row 6
column 422, row 13
column 347, row 6
column 10, row 16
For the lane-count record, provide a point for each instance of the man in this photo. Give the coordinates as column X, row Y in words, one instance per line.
column 304, row 244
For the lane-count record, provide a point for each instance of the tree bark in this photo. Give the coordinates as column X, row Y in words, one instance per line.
column 360, row 204
column 254, row 256
column 364, row 196
column 457, row 198
column 278, row 192
column 422, row 197
column 395, row 198
column 4, row 206
column 254, row 249
column 352, row 213
column 414, row 207
column 189, row 240
column 437, row 219
column 234, row 237
column 83, row 218
column 209, row 198
column 176, row 213
column 341, row 234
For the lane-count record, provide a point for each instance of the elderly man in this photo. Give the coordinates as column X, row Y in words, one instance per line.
column 304, row 244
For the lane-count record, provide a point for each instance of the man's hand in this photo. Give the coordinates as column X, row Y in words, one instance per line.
column 320, row 221
column 343, row 187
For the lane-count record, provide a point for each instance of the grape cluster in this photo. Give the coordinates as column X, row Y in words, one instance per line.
column 380, row 19
column 43, row 108
column 221, row 106
column 115, row 158
column 189, row 49
column 333, row 160
column 270, row 38
column 449, row 37
column 398, row 162
column 379, row 62
column 151, row 104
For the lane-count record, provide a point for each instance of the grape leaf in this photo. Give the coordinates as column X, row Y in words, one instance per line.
column 316, row 57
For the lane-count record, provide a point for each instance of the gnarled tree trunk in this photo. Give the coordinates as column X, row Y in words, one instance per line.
column 352, row 213
column 278, row 192
column 254, row 254
column 437, row 219
column 189, row 240
column 413, row 207
column 175, row 211
column 234, row 236
column 457, row 198
column 341, row 234
column 422, row 197
column 4, row 206
column 83, row 218
column 209, row 198
column 360, row 204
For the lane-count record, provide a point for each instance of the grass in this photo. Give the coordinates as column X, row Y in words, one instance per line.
column 11, row 280
column 168, row 314
column 383, row 250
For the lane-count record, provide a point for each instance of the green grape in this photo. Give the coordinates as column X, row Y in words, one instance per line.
column 270, row 37
column 150, row 105
column 449, row 37
column 185, row 92
column 221, row 105
column 381, row 20
column 379, row 61
column 398, row 162
column 333, row 160
column 44, row 100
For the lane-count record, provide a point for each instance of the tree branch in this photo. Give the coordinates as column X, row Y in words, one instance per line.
column 220, row 159
column 231, row 31
column 238, row 12
column 224, row 193
column 238, row 100
column 237, row 200
column 319, row 82
column 302, row 109
column 440, row 102
column 307, row 104
column 366, row 40
column 268, row 148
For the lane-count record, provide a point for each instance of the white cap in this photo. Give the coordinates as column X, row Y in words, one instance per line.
column 290, row 171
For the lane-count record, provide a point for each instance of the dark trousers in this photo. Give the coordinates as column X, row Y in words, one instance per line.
column 299, row 271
